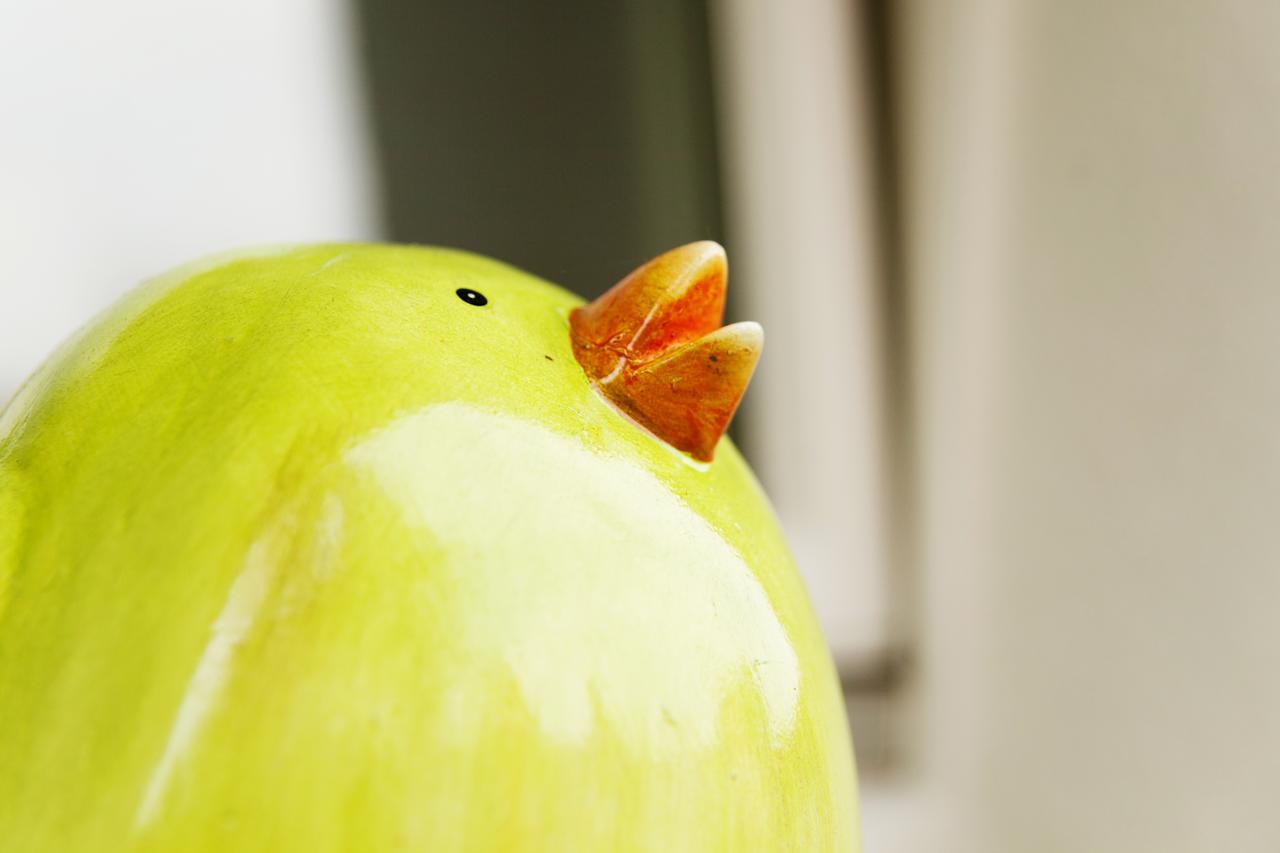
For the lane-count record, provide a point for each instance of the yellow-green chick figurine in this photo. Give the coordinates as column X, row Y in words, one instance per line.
column 375, row 548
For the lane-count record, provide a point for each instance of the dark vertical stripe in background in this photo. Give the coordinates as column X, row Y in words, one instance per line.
column 573, row 139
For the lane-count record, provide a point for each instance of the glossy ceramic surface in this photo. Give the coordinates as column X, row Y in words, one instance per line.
column 309, row 551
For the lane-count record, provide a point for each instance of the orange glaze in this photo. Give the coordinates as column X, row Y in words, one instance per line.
column 654, row 346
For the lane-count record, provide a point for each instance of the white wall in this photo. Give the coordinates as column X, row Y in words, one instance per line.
column 1094, row 212
column 140, row 134
column 803, row 261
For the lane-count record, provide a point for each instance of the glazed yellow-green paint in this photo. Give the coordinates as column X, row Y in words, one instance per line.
column 301, row 552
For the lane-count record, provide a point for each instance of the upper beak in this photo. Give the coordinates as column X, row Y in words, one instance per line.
column 654, row 346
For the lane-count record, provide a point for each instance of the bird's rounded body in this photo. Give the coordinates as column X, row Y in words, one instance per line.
column 304, row 550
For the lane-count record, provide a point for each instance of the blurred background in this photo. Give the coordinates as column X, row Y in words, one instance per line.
column 1019, row 263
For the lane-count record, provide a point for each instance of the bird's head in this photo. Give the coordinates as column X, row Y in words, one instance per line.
column 462, row 328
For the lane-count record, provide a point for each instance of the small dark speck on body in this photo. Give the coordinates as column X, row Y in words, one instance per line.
column 548, row 358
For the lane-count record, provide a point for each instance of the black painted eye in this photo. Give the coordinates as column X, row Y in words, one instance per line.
column 472, row 297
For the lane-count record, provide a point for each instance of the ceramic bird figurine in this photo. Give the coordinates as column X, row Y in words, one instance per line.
column 367, row 547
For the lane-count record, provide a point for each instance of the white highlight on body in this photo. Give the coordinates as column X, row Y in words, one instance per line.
column 597, row 587
column 327, row 538
column 341, row 256
column 244, row 602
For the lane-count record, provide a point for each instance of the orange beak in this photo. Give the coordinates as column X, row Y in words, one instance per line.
column 654, row 346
